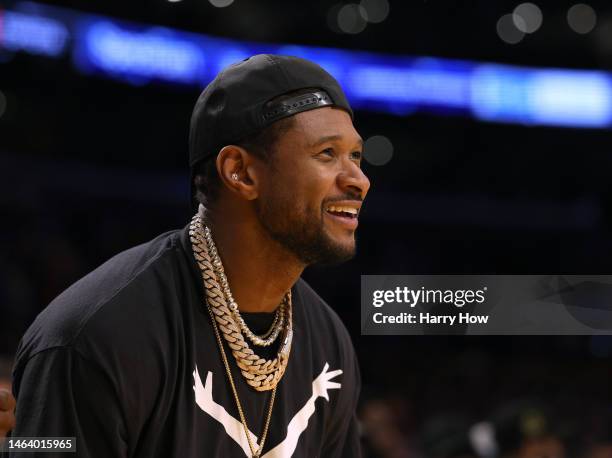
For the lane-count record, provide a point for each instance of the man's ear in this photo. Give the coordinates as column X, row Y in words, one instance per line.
column 237, row 171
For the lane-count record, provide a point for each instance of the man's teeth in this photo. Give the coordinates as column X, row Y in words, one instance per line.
column 335, row 209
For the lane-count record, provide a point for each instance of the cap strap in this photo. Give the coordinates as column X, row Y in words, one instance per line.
column 297, row 104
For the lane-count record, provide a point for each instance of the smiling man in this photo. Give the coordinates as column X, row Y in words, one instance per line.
column 205, row 341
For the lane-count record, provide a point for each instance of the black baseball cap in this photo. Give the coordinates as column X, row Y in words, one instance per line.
column 236, row 104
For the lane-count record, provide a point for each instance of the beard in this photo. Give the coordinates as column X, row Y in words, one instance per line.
column 302, row 232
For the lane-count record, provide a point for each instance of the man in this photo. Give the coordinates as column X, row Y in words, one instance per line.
column 205, row 341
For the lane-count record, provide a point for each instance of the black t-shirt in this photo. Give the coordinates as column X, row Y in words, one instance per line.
column 126, row 361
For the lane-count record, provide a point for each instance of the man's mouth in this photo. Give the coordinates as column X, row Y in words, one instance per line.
column 345, row 213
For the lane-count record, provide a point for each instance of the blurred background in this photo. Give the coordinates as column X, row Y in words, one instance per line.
column 488, row 145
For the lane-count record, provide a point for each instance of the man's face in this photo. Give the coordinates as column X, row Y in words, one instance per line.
column 314, row 186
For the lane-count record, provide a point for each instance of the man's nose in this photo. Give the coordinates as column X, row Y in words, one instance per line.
column 354, row 179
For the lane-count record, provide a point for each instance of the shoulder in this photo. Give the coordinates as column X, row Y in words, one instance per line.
column 314, row 304
column 107, row 300
column 322, row 317
column 329, row 342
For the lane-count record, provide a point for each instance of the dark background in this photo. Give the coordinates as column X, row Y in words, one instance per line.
column 90, row 167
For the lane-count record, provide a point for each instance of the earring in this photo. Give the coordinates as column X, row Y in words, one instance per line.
column 235, row 176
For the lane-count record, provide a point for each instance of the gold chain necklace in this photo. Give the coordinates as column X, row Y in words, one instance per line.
column 260, row 373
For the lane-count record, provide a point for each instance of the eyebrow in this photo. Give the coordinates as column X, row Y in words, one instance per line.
column 330, row 138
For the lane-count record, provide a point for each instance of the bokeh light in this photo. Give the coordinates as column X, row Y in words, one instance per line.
column 221, row 3
column 378, row 150
column 527, row 17
column 352, row 18
column 581, row 18
column 508, row 31
column 376, row 10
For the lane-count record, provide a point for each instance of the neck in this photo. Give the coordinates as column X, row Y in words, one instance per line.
column 259, row 270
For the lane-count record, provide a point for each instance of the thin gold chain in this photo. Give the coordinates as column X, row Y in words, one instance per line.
column 256, row 454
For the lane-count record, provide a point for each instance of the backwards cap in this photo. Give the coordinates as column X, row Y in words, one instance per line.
column 236, row 104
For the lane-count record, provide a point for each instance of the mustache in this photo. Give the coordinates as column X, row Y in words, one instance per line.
column 345, row 197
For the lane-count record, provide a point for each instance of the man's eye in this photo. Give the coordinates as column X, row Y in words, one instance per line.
column 356, row 155
column 328, row 152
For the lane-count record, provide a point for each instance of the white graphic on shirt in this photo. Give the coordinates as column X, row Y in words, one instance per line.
column 297, row 425
column 203, row 397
